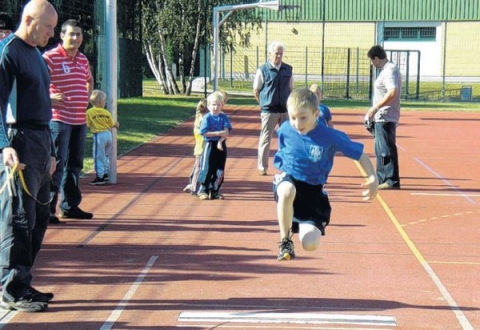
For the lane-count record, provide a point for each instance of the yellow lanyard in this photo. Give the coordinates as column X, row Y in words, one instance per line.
column 10, row 182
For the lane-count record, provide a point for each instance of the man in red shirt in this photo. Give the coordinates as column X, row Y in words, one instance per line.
column 70, row 88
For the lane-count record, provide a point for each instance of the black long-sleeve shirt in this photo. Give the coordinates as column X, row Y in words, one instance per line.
column 24, row 87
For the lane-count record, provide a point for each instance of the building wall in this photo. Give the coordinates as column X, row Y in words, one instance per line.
column 456, row 45
column 378, row 10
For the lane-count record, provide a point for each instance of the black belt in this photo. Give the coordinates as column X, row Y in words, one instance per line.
column 36, row 127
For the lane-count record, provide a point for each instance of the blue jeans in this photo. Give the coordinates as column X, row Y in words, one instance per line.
column 69, row 143
column 386, row 153
column 24, row 216
column 102, row 147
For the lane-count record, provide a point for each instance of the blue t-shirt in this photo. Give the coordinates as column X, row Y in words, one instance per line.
column 211, row 123
column 325, row 115
column 309, row 158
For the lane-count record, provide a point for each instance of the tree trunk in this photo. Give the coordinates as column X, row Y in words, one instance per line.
column 195, row 48
column 181, row 71
column 170, row 79
column 155, row 66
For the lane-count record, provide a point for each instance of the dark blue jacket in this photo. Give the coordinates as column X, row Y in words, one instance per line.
column 276, row 87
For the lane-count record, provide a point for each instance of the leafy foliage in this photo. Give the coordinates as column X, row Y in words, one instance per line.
column 173, row 31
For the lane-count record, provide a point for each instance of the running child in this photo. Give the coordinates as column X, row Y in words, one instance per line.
column 305, row 157
column 215, row 125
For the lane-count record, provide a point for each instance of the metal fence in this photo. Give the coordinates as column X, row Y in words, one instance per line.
column 435, row 62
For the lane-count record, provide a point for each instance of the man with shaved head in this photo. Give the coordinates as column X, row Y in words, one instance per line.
column 27, row 158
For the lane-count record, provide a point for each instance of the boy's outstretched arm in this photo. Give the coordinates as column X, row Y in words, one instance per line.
column 372, row 182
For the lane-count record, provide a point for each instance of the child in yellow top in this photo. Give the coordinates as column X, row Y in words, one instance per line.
column 100, row 122
column 201, row 110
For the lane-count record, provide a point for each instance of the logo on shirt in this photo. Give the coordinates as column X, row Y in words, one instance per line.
column 66, row 68
column 315, row 153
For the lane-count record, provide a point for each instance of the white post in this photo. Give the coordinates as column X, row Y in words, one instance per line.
column 216, row 35
column 112, row 51
column 217, row 23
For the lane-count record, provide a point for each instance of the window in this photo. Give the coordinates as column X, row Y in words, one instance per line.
column 410, row 33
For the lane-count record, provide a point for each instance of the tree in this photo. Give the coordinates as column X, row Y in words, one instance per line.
column 173, row 31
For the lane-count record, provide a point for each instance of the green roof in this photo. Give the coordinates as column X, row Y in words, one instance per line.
column 376, row 10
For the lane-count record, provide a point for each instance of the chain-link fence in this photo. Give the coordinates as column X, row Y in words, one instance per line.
column 437, row 59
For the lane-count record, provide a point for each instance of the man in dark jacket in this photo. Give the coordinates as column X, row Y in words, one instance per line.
column 271, row 87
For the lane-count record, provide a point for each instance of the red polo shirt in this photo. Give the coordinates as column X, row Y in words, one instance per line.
column 69, row 75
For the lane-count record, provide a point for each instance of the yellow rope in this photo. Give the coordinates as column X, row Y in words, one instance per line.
column 11, row 181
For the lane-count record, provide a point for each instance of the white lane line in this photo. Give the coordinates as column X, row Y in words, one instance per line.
column 448, row 183
column 462, row 319
column 124, row 302
column 444, row 195
column 465, row 324
column 297, row 318
column 6, row 317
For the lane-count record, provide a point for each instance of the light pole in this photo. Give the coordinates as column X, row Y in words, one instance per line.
column 112, row 54
column 205, row 12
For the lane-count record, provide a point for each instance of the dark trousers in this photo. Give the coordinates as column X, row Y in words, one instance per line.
column 24, row 218
column 69, row 143
column 386, row 153
column 212, row 167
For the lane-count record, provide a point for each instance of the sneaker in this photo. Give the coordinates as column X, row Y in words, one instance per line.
column 105, row 177
column 75, row 213
column 97, row 181
column 24, row 305
column 54, row 220
column 262, row 172
column 286, row 250
column 203, row 196
column 386, row 186
column 217, row 196
column 187, row 189
column 39, row 296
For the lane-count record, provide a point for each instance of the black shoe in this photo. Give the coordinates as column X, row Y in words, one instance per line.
column 39, row 296
column 387, row 186
column 24, row 305
column 295, row 227
column 217, row 196
column 54, row 220
column 97, row 181
column 75, row 213
column 105, row 177
column 286, row 250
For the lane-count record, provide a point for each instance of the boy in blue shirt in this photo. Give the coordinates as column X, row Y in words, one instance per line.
column 324, row 116
column 215, row 125
column 305, row 157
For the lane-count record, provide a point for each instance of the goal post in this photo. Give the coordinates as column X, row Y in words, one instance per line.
column 217, row 23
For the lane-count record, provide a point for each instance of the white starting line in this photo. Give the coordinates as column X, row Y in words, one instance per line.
column 297, row 318
column 445, row 194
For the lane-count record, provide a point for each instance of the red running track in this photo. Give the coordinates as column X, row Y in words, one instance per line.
column 156, row 258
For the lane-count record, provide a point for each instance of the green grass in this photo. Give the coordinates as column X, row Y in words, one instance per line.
column 141, row 119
